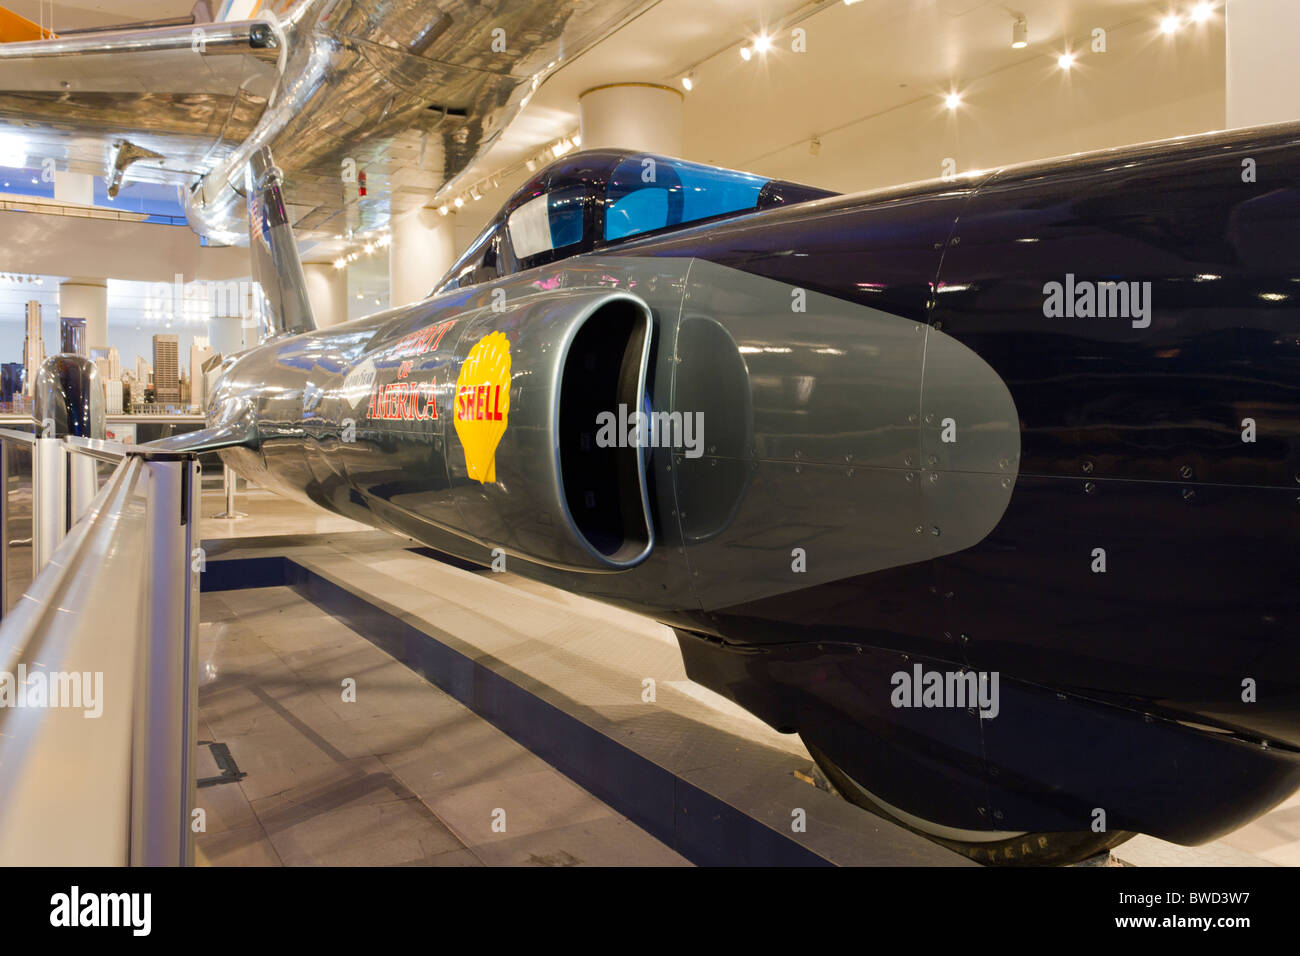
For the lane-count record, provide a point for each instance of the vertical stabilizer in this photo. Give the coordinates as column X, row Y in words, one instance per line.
column 276, row 266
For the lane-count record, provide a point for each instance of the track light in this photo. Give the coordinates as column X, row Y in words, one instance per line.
column 762, row 43
column 1019, row 34
column 688, row 82
column 1065, row 60
column 746, row 53
column 443, row 210
column 460, row 201
column 1170, row 24
column 952, row 100
column 1201, row 12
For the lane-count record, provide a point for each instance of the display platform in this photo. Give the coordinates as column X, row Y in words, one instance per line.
column 564, row 677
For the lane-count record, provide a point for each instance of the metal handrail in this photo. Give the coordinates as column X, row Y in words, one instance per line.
column 98, row 448
column 118, row 789
column 23, row 438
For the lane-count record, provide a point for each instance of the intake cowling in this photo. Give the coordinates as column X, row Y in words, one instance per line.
column 527, row 469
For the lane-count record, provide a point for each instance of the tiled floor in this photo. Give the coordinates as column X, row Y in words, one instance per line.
column 366, row 770
column 401, row 775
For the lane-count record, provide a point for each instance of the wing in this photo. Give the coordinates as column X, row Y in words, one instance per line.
column 170, row 102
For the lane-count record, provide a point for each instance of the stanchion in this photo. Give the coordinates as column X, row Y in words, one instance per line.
column 49, row 500
column 228, row 478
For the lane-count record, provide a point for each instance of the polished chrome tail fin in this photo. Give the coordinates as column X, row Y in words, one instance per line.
column 276, row 266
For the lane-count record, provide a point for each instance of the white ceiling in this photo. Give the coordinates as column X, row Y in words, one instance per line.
column 865, row 58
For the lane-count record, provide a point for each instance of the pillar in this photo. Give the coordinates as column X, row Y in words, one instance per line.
column 75, row 188
column 327, row 291
column 644, row 117
column 1263, row 71
column 423, row 249
column 227, row 334
column 87, row 299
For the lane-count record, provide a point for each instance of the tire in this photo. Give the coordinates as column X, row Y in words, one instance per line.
column 1026, row 849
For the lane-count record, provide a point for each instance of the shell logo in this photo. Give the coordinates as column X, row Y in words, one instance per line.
column 483, row 404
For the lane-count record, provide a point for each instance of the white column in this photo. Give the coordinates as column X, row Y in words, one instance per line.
column 87, row 299
column 327, row 291
column 78, row 188
column 423, row 249
column 1263, row 70
column 644, row 117
column 226, row 334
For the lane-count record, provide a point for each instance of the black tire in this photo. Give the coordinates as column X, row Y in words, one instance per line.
column 1028, row 849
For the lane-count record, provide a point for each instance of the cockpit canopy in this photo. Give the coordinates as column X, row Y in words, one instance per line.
column 601, row 198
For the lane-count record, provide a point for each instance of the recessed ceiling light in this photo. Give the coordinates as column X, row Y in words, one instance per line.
column 1019, row 34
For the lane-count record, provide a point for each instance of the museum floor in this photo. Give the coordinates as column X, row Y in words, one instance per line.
column 406, row 774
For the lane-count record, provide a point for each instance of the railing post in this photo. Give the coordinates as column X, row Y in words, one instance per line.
column 49, row 500
column 4, row 528
column 163, row 774
column 81, row 469
column 228, row 478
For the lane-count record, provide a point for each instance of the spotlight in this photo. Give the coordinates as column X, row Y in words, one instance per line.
column 474, row 194
column 688, row 82
column 952, row 100
column 746, row 53
column 577, row 140
column 443, row 210
column 1201, row 12
column 1170, row 24
column 530, row 165
column 1065, row 60
column 1019, row 34
column 762, row 43
column 460, row 201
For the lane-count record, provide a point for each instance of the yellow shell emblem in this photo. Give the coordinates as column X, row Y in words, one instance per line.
column 483, row 404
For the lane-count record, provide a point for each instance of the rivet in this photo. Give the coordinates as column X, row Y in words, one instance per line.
column 1189, row 494
column 1087, row 468
column 1006, row 482
column 1185, row 471
column 983, row 811
column 938, row 324
column 965, row 638
column 929, row 419
column 919, row 530
column 934, row 478
column 956, row 240
column 908, row 461
column 910, row 476
column 850, row 472
column 933, row 461
column 934, row 531
column 1089, row 487
column 798, row 469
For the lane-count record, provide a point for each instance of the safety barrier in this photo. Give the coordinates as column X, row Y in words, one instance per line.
column 98, row 656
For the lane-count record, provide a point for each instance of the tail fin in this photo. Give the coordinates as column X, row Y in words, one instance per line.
column 276, row 266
